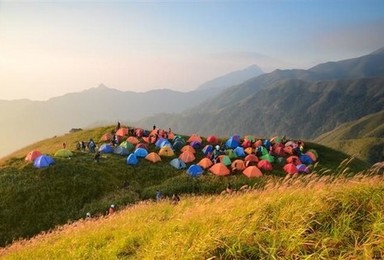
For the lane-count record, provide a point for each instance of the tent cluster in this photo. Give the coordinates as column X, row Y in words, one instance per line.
column 248, row 155
column 40, row 160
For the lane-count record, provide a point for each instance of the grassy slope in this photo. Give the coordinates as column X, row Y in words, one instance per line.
column 363, row 138
column 310, row 217
column 34, row 200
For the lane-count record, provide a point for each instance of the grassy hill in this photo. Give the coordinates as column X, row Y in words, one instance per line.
column 363, row 138
column 35, row 200
column 309, row 217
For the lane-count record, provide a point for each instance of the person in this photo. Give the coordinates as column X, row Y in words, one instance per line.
column 158, row 195
column 83, row 146
column 88, row 215
column 97, row 156
column 175, row 199
column 229, row 188
column 64, row 145
column 154, row 127
column 111, row 209
column 118, row 125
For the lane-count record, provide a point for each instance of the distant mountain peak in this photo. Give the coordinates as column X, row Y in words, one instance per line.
column 233, row 78
column 379, row 51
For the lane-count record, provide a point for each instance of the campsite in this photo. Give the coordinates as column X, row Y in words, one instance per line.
column 61, row 187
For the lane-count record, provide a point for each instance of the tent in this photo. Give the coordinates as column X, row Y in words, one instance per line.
column 267, row 157
column 238, row 165
column 196, row 145
column 178, row 164
column 312, row 155
column 106, row 148
column 232, row 143
column 120, row 150
column 123, row 131
column 305, row 159
column 212, row 139
column 178, row 145
column 231, row 154
column 127, row 146
column 224, row 159
column 194, row 137
column 252, row 171
column 43, row 161
column 32, row 155
column 293, row 159
column 153, row 157
column 251, row 158
column 290, row 168
column 142, row 145
column 195, row 170
column 265, row 165
column 302, row 168
column 219, row 169
column 239, row 151
column 140, row 152
column 63, row 153
column 188, row 148
column 249, row 138
column 205, row 163
column 248, row 150
column 132, row 159
column 166, row 151
column 187, row 156
column 133, row 140
column 246, row 143
column 160, row 141
column 207, row 149
column 106, row 137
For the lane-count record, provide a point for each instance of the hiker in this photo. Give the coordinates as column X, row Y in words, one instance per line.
column 64, row 145
column 88, row 215
column 118, row 125
column 97, row 156
column 83, row 146
column 154, row 127
column 228, row 189
column 112, row 209
column 158, row 195
column 175, row 199
column 91, row 145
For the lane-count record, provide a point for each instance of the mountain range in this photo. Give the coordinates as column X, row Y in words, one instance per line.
column 25, row 121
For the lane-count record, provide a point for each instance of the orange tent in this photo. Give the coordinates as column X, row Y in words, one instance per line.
column 265, row 165
column 248, row 150
column 252, row 171
column 171, row 135
column 187, row 156
column 32, row 155
column 219, row 169
column 188, row 148
column 123, row 131
column 153, row 157
column 132, row 140
column 258, row 143
column 106, row 137
column 195, row 138
column 238, row 165
column 205, row 163
column 166, row 151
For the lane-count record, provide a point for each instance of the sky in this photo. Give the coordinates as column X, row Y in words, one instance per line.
column 49, row 48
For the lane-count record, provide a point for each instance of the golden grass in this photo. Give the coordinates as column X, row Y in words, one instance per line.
column 305, row 217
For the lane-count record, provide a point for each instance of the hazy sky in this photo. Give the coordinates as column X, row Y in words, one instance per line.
column 48, row 48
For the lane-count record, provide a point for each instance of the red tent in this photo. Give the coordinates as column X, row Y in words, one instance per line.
column 187, row 156
column 290, row 168
column 265, row 165
column 212, row 139
column 32, row 155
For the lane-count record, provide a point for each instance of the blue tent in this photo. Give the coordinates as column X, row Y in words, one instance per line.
column 207, row 149
column 106, row 148
column 160, row 141
column 132, row 159
column 121, row 150
column 178, row 164
column 196, row 145
column 140, row 152
column 178, row 145
column 232, row 143
column 195, row 170
column 239, row 151
column 43, row 161
column 267, row 144
column 305, row 159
